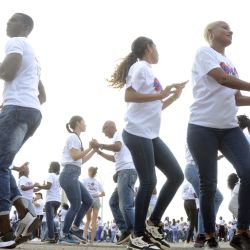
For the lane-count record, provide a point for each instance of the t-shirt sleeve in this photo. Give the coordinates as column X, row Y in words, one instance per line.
column 136, row 78
column 15, row 45
column 22, row 181
column 74, row 142
column 206, row 61
column 117, row 137
column 50, row 178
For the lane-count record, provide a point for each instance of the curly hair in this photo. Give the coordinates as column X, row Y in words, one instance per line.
column 244, row 122
column 138, row 48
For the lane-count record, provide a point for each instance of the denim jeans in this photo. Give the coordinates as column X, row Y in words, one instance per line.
column 192, row 175
column 78, row 196
column 147, row 154
column 122, row 200
column 17, row 125
column 204, row 144
column 51, row 211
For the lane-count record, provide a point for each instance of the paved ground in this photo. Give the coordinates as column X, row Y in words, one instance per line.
column 101, row 246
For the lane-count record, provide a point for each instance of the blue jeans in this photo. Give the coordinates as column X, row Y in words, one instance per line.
column 122, row 200
column 78, row 196
column 192, row 175
column 51, row 211
column 147, row 154
column 204, row 144
column 17, row 125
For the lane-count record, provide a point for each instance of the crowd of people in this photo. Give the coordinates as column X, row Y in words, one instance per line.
column 136, row 152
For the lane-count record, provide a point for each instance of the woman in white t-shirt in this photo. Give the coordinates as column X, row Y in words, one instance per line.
column 213, row 126
column 146, row 99
column 95, row 189
column 25, row 184
column 53, row 199
column 80, row 200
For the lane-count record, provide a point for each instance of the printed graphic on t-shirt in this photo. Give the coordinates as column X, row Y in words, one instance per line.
column 157, row 85
column 228, row 69
column 91, row 186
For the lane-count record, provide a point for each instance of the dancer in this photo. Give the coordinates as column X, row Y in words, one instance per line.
column 146, row 99
column 213, row 126
column 19, row 118
column 80, row 200
column 53, row 200
column 122, row 199
column 95, row 188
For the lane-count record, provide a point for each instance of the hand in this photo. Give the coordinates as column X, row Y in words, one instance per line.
column 94, row 144
column 36, row 189
column 36, row 184
column 174, row 89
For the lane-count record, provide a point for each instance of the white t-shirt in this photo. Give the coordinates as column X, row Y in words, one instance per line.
column 123, row 158
column 247, row 136
column 26, row 181
column 93, row 186
column 188, row 192
column 73, row 141
column 234, row 204
column 39, row 209
column 143, row 119
column 53, row 194
column 62, row 214
column 23, row 90
column 214, row 105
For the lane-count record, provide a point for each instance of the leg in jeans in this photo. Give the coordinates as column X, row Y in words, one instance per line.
column 191, row 211
column 17, row 125
column 86, row 203
column 50, row 210
column 192, row 176
column 236, row 149
column 69, row 182
column 125, row 186
column 205, row 156
column 142, row 152
column 116, row 212
column 166, row 162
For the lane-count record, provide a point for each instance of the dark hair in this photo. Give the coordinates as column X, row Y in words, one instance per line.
column 54, row 167
column 65, row 206
column 39, row 194
column 22, row 173
column 244, row 122
column 232, row 180
column 72, row 123
column 138, row 48
column 94, row 171
column 27, row 21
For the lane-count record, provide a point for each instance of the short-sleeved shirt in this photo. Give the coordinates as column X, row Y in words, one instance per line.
column 73, row 141
column 123, row 158
column 214, row 105
column 93, row 186
column 23, row 90
column 26, row 181
column 53, row 194
column 143, row 119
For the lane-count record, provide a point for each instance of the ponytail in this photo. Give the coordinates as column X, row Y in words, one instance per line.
column 70, row 126
column 138, row 48
column 118, row 78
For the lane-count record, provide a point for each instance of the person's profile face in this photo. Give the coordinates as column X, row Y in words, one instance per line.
column 222, row 33
column 15, row 26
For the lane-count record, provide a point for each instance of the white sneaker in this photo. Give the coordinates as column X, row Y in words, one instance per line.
column 27, row 225
column 142, row 242
column 156, row 235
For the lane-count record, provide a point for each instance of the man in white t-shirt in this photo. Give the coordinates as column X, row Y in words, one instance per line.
column 19, row 118
column 122, row 200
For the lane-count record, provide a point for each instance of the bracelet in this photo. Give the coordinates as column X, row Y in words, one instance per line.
column 101, row 146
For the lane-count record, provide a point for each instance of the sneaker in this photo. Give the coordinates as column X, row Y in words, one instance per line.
column 7, row 240
column 78, row 234
column 27, row 225
column 200, row 241
column 240, row 241
column 156, row 235
column 142, row 242
column 68, row 239
column 123, row 238
column 212, row 244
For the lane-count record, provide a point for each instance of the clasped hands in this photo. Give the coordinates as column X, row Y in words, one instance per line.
column 174, row 90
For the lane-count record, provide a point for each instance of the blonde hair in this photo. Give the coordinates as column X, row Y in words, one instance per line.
column 208, row 29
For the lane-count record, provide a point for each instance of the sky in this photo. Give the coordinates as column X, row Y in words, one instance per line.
column 79, row 43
